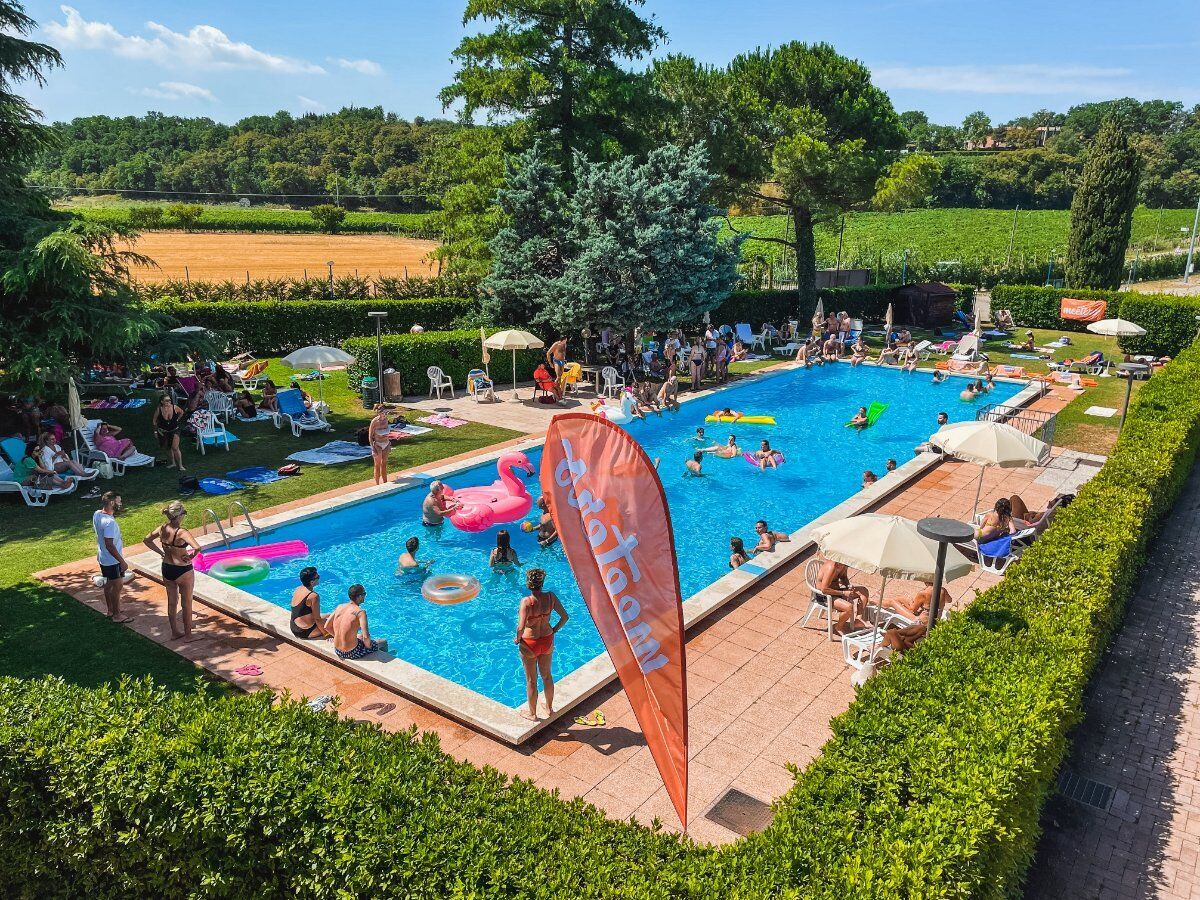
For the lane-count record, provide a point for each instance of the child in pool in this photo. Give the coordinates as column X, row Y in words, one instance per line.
column 408, row 563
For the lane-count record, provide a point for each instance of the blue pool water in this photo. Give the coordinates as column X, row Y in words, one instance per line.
column 472, row 643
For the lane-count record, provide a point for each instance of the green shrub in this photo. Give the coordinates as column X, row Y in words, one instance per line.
column 273, row 326
column 1170, row 321
column 145, row 218
column 455, row 352
column 329, row 218
column 757, row 307
column 931, row 786
column 185, row 215
column 348, row 287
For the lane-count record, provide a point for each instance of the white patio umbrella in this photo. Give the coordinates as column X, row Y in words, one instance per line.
column 818, row 322
column 74, row 406
column 1116, row 328
column 889, row 546
column 514, row 340
column 978, row 329
column 887, row 325
column 989, row 444
column 316, row 357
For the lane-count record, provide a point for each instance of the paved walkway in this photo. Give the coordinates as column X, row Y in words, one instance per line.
column 1141, row 737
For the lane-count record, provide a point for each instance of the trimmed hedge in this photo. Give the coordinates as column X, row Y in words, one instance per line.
column 757, row 307
column 931, row 786
column 1169, row 320
column 455, row 352
column 345, row 287
column 272, row 327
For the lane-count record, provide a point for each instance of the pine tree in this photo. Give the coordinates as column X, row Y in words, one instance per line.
column 1102, row 210
column 634, row 243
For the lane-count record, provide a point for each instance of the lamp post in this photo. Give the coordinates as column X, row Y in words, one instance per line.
column 330, row 264
column 1187, row 268
column 1131, row 370
column 378, row 317
column 945, row 532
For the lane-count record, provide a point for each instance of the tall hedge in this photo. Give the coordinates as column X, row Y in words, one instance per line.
column 271, row 327
column 931, row 786
column 345, row 287
column 1169, row 320
column 757, row 307
column 455, row 352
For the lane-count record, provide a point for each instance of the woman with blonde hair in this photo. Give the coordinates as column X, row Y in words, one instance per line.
column 535, row 638
column 178, row 548
column 381, row 444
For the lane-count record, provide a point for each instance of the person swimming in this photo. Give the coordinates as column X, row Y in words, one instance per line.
column 408, row 564
column 766, row 457
column 727, row 413
column 728, row 450
column 860, row 418
column 700, row 438
column 503, row 557
column 695, row 464
column 939, row 376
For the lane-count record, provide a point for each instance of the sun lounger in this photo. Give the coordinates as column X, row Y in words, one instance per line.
column 93, row 455
column 299, row 417
column 32, row 496
column 1010, row 371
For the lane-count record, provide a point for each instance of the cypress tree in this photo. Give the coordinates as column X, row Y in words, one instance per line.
column 1102, row 211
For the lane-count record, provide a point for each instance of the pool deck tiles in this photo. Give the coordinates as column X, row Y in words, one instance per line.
column 762, row 687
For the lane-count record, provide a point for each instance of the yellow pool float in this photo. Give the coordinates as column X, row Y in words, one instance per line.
column 744, row 420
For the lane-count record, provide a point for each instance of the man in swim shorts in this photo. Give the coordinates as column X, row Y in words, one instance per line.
column 408, row 561
column 727, row 451
column 695, row 464
column 348, row 623
column 557, row 357
column 436, row 506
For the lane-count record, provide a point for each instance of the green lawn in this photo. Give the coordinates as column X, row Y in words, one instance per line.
column 45, row 631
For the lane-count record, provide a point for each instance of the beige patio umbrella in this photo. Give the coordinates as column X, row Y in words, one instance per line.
column 74, row 406
column 978, row 329
column 514, row 340
column 887, row 325
column 1116, row 328
column 889, row 546
column 317, row 356
column 485, row 356
column 818, row 321
column 989, row 444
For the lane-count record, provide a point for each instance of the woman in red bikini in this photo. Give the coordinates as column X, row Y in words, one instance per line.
column 535, row 639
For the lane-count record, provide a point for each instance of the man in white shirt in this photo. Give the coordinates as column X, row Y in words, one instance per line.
column 109, row 552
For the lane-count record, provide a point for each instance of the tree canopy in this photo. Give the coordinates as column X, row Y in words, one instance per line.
column 1102, row 211
column 632, row 243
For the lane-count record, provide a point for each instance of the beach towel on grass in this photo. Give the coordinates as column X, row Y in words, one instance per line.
column 444, row 421
column 332, row 453
column 407, row 431
column 262, row 416
column 219, row 486
column 254, row 475
column 130, row 403
column 218, row 440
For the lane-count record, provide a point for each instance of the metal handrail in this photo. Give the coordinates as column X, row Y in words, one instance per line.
column 204, row 524
column 246, row 513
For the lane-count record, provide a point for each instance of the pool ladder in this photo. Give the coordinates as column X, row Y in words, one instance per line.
column 209, row 514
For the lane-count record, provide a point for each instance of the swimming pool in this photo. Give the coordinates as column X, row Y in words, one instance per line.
column 471, row 644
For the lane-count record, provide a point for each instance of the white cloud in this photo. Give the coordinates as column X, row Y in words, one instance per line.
column 1032, row 78
column 178, row 90
column 203, row 46
column 361, row 66
column 311, row 105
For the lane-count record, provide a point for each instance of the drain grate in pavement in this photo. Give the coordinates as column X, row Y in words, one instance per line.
column 1086, row 791
column 740, row 813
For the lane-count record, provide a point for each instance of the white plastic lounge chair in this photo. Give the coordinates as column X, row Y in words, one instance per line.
column 856, row 647
column 613, row 383
column 31, row 495
column 923, row 350
column 93, row 455
column 820, row 604
column 967, row 349
column 219, row 405
column 744, row 334
column 439, row 380
column 298, row 416
column 210, row 430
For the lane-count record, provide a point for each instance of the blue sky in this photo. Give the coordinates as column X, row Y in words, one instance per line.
column 227, row 60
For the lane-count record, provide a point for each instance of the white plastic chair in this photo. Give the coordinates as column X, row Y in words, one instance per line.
column 210, row 428
column 92, row 454
column 613, row 383
column 439, row 380
column 32, row 496
column 820, row 603
column 219, row 404
column 480, row 386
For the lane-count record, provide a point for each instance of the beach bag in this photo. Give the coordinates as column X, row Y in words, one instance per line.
column 188, row 484
column 289, row 469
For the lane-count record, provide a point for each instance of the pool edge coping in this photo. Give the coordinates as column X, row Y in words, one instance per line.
column 461, row 704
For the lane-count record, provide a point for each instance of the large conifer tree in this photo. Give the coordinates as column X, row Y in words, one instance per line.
column 1102, row 210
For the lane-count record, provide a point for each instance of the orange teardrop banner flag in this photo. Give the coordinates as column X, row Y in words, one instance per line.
column 611, row 514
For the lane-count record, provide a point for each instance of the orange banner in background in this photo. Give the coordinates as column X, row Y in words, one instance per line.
column 1082, row 310
column 611, row 514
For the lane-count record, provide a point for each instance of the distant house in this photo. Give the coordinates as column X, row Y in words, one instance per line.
column 1045, row 132
column 991, row 142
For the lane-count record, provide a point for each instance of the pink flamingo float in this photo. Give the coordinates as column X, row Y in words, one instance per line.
column 505, row 500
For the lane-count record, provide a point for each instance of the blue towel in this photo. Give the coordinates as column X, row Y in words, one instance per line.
column 218, row 486
column 254, row 475
column 217, row 440
column 999, row 548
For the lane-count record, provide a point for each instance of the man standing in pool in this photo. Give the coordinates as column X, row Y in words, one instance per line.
column 436, row 505
column 535, row 639
column 348, row 624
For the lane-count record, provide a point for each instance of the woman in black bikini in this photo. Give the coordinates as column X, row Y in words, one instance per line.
column 177, row 549
column 307, row 621
column 168, row 419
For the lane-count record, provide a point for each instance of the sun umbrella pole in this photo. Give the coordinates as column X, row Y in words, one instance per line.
column 515, row 397
column 878, row 610
column 978, row 491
